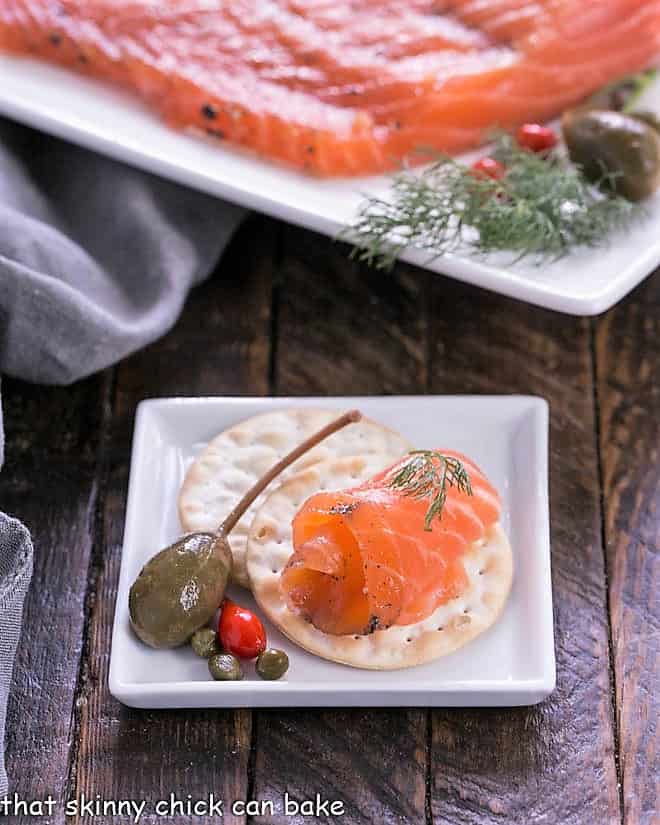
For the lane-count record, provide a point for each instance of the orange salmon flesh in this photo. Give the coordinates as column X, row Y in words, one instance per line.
column 343, row 87
column 363, row 561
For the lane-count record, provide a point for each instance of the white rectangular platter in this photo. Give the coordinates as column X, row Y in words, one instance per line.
column 512, row 663
column 85, row 112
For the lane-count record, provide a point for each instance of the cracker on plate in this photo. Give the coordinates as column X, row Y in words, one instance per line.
column 236, row 458
column 488, row 563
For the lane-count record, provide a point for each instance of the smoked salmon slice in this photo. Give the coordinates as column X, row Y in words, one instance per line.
column 363, row 560
column 343, row 87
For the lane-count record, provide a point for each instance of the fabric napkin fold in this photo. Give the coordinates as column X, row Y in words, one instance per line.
column 96, row 261
column 15, row 574
column 96, row 258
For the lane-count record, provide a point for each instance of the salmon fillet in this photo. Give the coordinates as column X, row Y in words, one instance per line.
column 343, row 87
column 363, row 561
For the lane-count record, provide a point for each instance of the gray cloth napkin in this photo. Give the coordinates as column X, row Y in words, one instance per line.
column 15, row 574
column 96, row 260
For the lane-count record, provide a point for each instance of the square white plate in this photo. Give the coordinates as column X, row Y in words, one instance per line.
column 74, row 108
column 513, row 663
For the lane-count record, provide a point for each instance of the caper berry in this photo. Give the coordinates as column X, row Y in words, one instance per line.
column 179, row 589
column 205, row 642
column 225, row 668
column 625, row 147
column 272, row 664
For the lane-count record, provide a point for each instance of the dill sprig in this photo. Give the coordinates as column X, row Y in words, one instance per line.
column 429, row 474
column 542, row 207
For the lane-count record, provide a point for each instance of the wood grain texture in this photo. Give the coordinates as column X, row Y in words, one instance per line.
column 341, row 329
column 345, row 331
column 627, row 343
column 221, row 345
column 554, row 762
column 48, row 481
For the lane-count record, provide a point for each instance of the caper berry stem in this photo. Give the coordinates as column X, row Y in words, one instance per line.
column 234, row 516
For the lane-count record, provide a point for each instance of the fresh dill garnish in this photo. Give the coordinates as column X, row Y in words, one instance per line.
column 429, row 474
column 542, row 207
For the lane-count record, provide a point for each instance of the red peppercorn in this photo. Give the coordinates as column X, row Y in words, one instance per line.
column 488, row 168
column 536, row 138
column 241, row 631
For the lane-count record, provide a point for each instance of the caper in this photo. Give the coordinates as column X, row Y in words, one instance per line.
column 623, row 147
column 225, row 668
column 205, row 642
column 272, row 664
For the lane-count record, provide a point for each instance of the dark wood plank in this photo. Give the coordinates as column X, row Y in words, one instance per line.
column 221, row 345
column 628, row 360
column 49, row 482
column 343, row 330
column 555, row 762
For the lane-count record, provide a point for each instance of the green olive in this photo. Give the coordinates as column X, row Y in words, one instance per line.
column 613, row 143
column 272, row 664
column 225, row 668
column 205, row 642
column 179, row 589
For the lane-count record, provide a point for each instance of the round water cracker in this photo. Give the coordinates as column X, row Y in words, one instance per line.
column 488, row 563
column 236, row 458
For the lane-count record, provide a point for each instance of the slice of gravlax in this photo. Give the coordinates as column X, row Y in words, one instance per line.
column 365, row 559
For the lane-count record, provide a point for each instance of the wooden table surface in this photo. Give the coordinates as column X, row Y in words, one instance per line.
column 287, row 313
